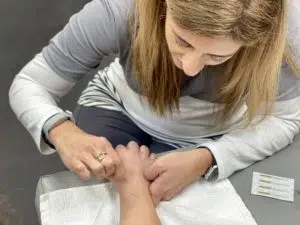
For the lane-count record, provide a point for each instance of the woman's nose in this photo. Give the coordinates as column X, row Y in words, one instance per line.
column 191, row 65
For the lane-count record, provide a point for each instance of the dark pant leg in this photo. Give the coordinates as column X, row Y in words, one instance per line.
column 157, row 147
column 116, row 127
column 111, row 124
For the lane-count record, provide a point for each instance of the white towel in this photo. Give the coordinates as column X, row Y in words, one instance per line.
column 202, row 203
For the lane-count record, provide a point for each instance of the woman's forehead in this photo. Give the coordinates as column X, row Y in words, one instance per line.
column 219, row 45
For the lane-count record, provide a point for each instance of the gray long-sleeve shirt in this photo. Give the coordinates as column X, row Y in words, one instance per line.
column 100, row 29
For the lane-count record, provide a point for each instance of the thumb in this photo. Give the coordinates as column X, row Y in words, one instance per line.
column 153, row 171
column 157, row 189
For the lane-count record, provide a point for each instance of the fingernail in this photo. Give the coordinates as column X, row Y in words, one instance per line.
column 131, row 143
column 120, row 146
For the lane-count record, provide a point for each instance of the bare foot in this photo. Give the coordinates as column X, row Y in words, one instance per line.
column 134, row 160
column 146, row 158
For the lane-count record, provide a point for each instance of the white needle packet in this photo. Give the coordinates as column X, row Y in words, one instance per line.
column 281, row 188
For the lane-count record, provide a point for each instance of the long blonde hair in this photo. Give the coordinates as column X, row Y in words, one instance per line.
column 251, row 76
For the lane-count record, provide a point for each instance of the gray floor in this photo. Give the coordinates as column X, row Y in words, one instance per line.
column 25, row 27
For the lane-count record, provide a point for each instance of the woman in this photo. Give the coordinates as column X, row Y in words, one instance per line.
column 214, row 76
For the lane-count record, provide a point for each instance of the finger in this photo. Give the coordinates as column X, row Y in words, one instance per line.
column 133, row 146
column 157, row 189
column 169, row 195
column 104, row 142
column 105, row 146
column 144, row 151
column 154, row 170
column 109, row 166
column 80, row 169
column 155, row 200
column 95, row 166
column 113, row 155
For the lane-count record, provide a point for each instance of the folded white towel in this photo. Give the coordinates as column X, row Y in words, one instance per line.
column 202, row 203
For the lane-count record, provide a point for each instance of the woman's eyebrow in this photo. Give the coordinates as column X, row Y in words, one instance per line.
column 212, row 55
column 181, row 39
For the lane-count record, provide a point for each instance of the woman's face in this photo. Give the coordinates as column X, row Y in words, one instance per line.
column 192, row 52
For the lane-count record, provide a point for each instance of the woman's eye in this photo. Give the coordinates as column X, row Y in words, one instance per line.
column 181, row 43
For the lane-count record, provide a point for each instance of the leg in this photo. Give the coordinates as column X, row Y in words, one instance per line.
column 157, row 147
column 113, row 125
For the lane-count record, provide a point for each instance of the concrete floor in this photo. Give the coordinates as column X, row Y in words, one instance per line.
column 25, row 27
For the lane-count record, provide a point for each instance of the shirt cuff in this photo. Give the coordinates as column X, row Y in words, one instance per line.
column 52, row 122
column 217, row 160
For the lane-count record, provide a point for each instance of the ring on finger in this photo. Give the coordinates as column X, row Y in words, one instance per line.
column 101, row 156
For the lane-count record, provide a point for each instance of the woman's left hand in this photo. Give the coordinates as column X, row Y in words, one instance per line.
column 171, row 173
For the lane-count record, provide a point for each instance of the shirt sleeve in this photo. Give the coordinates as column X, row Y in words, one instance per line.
column 240, row 148
column 99, row 29
column 294, row 30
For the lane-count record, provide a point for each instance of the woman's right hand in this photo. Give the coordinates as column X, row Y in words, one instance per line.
column 79, row 151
